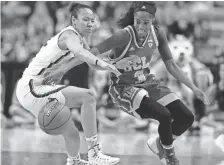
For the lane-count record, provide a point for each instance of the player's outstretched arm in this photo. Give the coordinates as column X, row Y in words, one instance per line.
column 174, row 69
column 72, row 42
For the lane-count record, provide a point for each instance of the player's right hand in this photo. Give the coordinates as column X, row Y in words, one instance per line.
column 109, row 67
column 201, row 96
column 52, row 76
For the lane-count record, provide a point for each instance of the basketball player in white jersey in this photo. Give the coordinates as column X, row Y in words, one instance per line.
column 67, row 49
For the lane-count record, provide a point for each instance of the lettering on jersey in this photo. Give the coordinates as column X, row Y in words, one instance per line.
column 129, row 92
column 139, row 63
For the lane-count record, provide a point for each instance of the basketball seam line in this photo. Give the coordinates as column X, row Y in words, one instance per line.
column 55, row 116
column 58, row 126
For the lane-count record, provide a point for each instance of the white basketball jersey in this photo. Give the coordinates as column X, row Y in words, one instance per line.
column 50, row 55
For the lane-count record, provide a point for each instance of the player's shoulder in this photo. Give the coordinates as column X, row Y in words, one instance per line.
column 128, row 32
column 158, row 30
column 124, row 32
column 160, row 34
column 68, row 33
column 122, row 35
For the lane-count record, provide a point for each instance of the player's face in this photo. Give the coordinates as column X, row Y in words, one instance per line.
column 142, row 22
column 85, row 21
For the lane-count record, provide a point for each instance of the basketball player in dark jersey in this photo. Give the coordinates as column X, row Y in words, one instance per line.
column 138, row 92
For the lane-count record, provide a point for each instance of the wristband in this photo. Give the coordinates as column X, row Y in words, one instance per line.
column 96, row 62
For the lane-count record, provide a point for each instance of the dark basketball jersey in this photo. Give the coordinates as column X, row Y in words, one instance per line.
column 139, row 72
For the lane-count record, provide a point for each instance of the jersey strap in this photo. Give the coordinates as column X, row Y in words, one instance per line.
column 154, row 36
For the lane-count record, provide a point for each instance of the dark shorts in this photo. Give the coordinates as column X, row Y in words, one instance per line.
column 128, row 98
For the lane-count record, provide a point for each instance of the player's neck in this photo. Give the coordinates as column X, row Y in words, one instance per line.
column 141, row 39
column 81, row 35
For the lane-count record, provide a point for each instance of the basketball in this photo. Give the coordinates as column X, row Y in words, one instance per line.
column 52, row 118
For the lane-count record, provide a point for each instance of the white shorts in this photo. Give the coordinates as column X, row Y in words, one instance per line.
column 33, row 97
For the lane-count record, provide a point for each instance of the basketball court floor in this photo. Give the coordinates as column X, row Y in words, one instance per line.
column 22, row 146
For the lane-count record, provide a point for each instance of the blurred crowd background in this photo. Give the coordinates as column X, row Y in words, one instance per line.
column 26, row 26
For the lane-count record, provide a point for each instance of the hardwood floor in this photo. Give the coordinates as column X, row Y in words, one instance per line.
column 33, row 147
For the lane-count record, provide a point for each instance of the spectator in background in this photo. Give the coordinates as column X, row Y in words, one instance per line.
column 5, row 122
column 41, row 29
column 53, row 7
column 215, row 112
column 21, row 49
column 62, row 17
column 181, row 26
column 8, row 45
column 9, row 13
column 2, row 90
column 20, row 116
column 216, row 91
column 183, row 23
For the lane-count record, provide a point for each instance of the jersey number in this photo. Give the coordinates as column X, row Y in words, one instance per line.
column 140, row 63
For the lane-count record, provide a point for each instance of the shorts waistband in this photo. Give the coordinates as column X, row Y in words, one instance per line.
column 37, row 80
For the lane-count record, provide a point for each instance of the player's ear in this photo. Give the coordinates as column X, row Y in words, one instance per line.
column 73, row 20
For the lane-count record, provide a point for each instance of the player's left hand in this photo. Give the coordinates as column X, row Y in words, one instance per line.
column 109, row 67
column 52, row 76
column 201, row 96
column 127, row 62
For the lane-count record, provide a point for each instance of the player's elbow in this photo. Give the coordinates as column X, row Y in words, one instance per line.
column 80, row 53
column 76, row 50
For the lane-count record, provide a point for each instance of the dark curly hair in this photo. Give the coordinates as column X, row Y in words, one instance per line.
column 128, row 18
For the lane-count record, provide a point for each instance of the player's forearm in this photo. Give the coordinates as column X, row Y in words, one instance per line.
column 71, row 64
column 95, row 67
column 102, row 56
column 211, row 93
column 88, row 57
column 176, row 72
column 82, row 54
